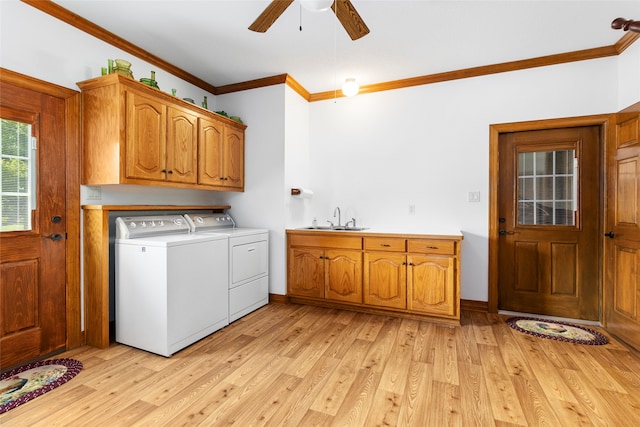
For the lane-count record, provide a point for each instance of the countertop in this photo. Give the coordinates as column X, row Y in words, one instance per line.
column 429, row 233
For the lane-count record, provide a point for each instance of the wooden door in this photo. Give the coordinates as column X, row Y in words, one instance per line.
column 233, row 158
column 385, row 279
column 210, row 142
column 343, row 275
column 146, row 137
column 306, row 276
column 32, row 237
column 431, row 284
column 182, row 146
column 549, row 209
column 622, row 247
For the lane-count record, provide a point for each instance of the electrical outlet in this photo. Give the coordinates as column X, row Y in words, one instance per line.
column 94, row 193
column 473, row 196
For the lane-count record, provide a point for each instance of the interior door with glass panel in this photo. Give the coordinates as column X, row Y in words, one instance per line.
column 549, row 210
column 32, row 228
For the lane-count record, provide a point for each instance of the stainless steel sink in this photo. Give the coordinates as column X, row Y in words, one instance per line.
column 334, row 228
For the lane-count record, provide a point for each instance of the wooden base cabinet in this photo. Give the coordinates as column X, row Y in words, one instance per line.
column 135, row 134
column 431, row 285
column 385, row 280
column 332, row 274
column 376, row 273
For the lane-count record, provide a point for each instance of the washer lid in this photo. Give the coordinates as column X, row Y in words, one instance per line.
column 144, row 226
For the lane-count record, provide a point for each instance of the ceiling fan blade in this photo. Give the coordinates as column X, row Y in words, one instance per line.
column 269, row 15
column 350, row 19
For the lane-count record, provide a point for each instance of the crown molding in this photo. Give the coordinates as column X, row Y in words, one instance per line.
column 65, row 15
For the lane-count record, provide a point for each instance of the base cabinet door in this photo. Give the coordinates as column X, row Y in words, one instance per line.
column 430, row 284
column 385, row 280
column 343, row 275
column 306, row 276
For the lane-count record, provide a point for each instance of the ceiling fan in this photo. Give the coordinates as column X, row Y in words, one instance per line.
column 626, row 25
column 343, row 9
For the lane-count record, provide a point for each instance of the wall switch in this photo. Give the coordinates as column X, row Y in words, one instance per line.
column 412, row 209
column 473, row 196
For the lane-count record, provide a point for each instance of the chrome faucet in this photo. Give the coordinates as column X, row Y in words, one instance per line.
column 337, row 209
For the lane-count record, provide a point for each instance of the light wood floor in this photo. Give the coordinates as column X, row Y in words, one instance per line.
column 292, row 365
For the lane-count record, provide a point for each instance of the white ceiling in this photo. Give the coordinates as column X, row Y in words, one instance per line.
column 409, row 38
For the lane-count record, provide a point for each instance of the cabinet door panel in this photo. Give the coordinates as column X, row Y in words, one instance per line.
column 146, row 124
column 306, row 272
column 343, row 275
column 385, row 280
column 234, row 158
column 431, row 286
column 182, row 141
column 210, row 152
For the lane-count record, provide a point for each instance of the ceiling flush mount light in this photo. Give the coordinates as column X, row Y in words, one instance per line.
column 350, row 87
column 316, row 5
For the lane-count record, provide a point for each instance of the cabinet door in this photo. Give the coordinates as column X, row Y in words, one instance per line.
column 182, row 144
column 343, row 275
column 385, row 279
column 233, row 163
column 146, row 137
column 210, row 143
column 431, row 285
column 306, row 272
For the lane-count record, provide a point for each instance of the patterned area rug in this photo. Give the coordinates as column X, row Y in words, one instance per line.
column 27, row 382
column 559, row 331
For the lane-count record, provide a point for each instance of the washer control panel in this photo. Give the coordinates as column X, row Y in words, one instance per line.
column 209, row 221
column 144, row 226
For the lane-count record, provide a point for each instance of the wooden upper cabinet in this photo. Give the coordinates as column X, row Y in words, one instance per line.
column 211, row 141
column 135, row 134
column 182, row 146
column 146, row 137
column 233, row 158
column 220, row 155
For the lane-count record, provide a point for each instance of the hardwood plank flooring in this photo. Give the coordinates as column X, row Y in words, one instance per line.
column 295, row 365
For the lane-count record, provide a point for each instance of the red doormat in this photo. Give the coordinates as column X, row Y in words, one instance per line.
column 558, row 331
column 27, row 382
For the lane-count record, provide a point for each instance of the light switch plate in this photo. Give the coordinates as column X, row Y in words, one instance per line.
column 473, row 196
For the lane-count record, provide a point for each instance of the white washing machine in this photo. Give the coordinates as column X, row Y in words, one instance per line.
column 171, row 286
column 248, row 260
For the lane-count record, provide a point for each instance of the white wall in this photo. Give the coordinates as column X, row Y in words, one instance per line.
column 629, row 72
column 262, row 204
column 375, row 155
column 35, row 44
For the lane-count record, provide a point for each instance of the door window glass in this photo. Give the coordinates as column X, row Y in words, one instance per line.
column 547, row 187
column 17, row 166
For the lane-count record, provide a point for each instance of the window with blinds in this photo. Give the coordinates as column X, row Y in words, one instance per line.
column 17, row 169
column 547, row 187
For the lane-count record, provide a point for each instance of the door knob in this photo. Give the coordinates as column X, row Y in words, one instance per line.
column 503, row 232
column 609, row 234
column 55, row 237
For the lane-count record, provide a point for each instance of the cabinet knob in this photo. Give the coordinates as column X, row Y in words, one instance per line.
column 385, row 245
column 432, row 247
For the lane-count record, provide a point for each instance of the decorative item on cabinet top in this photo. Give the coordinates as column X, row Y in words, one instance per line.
column 150, row 82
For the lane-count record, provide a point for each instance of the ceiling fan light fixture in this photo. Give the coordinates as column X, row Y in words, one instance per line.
column 316, row 5
column 350, row 87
